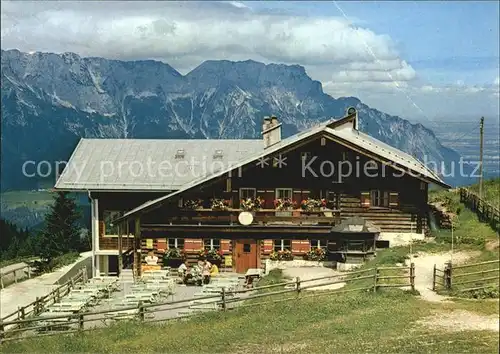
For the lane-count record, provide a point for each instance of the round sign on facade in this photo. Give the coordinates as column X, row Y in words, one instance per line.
column 245, row 218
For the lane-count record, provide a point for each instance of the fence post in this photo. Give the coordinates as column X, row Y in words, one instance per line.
column 375, row 280
column 1, row 280
column 223, row 299
column 447, row 275
column 412, row 276
column 297, row 285
column 434, row 278
column 37, row 306
column 29, row 272
column 23, row 314
column 15, row 276
column 80, row 322
column 141, row 311
column 2, row 331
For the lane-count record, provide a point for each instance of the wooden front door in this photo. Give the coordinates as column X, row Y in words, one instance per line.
column 246, row 255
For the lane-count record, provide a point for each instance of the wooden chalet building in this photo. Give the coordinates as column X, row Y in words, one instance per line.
column 135, row 211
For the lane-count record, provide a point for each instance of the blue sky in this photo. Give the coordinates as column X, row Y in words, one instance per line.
column 446, row 41
column 424, row 61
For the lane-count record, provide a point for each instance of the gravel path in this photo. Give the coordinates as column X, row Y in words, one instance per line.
column 424, row 267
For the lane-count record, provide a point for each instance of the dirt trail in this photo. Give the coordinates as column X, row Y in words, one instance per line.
column 424, row 266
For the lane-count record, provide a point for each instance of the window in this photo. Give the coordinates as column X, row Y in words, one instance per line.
column 109, row 216
column 211, row 244
column 332, row 199
column 176, row 243
column 282, row 193
column 246, row 193
column 319, row 244
column 247, row 248
column 379, row 198
column 281, row 245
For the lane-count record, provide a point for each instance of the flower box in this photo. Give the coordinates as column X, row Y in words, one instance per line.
column 311, row 204
column 173, row 257
column 284, row 204
column 219, row 204
column 193, row 204
column 250, row 204
column 285, row 255
column 315, row 254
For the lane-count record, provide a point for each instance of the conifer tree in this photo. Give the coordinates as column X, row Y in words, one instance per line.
column 61, row 233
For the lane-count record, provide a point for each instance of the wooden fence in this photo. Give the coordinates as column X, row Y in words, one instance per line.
column 485, row 211
column 370, row 279
column 24, row 271
column 37, row 306
column 457, row 279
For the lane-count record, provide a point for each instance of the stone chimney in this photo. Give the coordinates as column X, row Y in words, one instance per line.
column 271, row 131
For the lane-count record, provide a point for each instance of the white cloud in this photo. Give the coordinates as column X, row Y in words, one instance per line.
column 175, row 32
column 348, row 59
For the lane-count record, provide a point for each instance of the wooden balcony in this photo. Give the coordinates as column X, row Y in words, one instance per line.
column 111, row 243
column 326, row 217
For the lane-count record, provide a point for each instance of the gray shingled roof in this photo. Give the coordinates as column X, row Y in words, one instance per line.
column 345, row 132
column 122, row 164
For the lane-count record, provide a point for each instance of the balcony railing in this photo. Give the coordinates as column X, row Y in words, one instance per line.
column 260, row 217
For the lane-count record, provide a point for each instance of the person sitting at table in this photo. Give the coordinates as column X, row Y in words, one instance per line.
column 214, row 270
column 183, row 271
column 151, row 259
column 206, row 271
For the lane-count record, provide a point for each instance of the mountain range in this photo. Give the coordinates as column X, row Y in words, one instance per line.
column 51, row 100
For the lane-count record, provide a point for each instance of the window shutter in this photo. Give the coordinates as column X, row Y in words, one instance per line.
column 365, row 199
column 296, row 246
column 268, row 246
column 161, row 244
column 393, row 199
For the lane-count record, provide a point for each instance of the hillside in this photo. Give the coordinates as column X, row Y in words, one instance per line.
column 491, row 191
column 49, row 98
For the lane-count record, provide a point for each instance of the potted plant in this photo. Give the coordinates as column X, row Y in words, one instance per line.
column 193, row 204
column 250, row 204
column 311, row 204
column 215, row 257
column 284, row 204
column 315, row 254
column 285, row 255
column 173, row 257
column 220, row 204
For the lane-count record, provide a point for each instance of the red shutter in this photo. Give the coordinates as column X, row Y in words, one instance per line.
column 296, row 246
column 297, row 196
column 268, row 246
column 225, row 246
column 161, row 244
column 365, row 199
column 269, row 199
